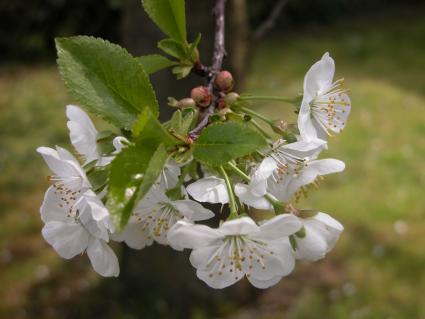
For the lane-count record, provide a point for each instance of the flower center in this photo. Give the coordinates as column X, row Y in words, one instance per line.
column 330, row 108
column 67, row 198
column 160, row 219
column 238, row 254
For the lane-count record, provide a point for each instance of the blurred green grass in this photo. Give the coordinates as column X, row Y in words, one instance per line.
column 376, row 270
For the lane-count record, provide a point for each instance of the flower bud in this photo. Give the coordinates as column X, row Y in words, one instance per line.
column 224, row 81
column 186, row 103
column 172, row 102
column 231, row 98
column 221, row 103
column 201, row 95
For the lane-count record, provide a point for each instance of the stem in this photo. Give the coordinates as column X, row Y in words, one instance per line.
column 258, row 127
column 258, row 115
column 266, row 98
column 217, row 61
column 239, row 172
column 232, row 202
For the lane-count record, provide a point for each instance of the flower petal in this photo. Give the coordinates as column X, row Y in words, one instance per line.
column 134, row 236
column 209, row 189
column 217, row 281
column 82, row 133
column 280, row 226
column 53, row 209
column 187, row 235
column 244, row 192
column 264, row 284
column 102, row 258
column 240, row 226
column 319, row 76
column 192, row 210
column 68, row 239
column 312, row 247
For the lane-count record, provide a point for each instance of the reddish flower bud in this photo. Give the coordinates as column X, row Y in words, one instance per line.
column 201, row 95
column 186, row 103
column 231, row 98
column 221, row 103
column 224, row 81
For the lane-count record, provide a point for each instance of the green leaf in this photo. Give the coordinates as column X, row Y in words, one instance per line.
column 174, row 48
column 105, row 79
column 154, row 62
column 221, row 142
column 181, row 121
column 149, row 130
column 169, row 16
column 133, row 171
column 136, row 168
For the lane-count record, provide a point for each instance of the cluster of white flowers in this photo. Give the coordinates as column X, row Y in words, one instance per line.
column 76, row 219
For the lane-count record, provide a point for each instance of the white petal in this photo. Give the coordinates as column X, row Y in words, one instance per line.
column 312, row 247
column 102, row 258
column 244, row 192
column 134, row 236
column 119, row 143
column 68, row 239
column 265, row 169
column 65, row 155
column 209, row 189
column 240, row 226
column 306, row 126
column 187, row 235
column 95, row 228
column 329, row 227
column 305, row 148
column 200, row 258
column 264, row 284
column 219, row 281
column 82, row 133
column 98, row 209
column 53, row 209
column 319, row 77
column 329, row 221
column 280, row 226
column 192, row 210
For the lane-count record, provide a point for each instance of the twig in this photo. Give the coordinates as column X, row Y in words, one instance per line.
column 217, row 61
column 271, row 19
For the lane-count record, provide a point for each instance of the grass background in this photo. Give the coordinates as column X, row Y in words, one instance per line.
column 377, row 268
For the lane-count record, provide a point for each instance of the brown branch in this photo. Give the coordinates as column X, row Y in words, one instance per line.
column 271, row 19
column 217, row 62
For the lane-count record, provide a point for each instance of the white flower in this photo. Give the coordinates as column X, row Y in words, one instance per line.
column 154, row 215
column 209, row 189
column 297, row 166
column 321, row 234
column 239, row 247
column 75, row 219
column 253, row 193
column 84, row 135
column 325, row 105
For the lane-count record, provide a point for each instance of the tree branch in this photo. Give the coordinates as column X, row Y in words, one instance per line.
column 217, row 62
column 271, row 19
